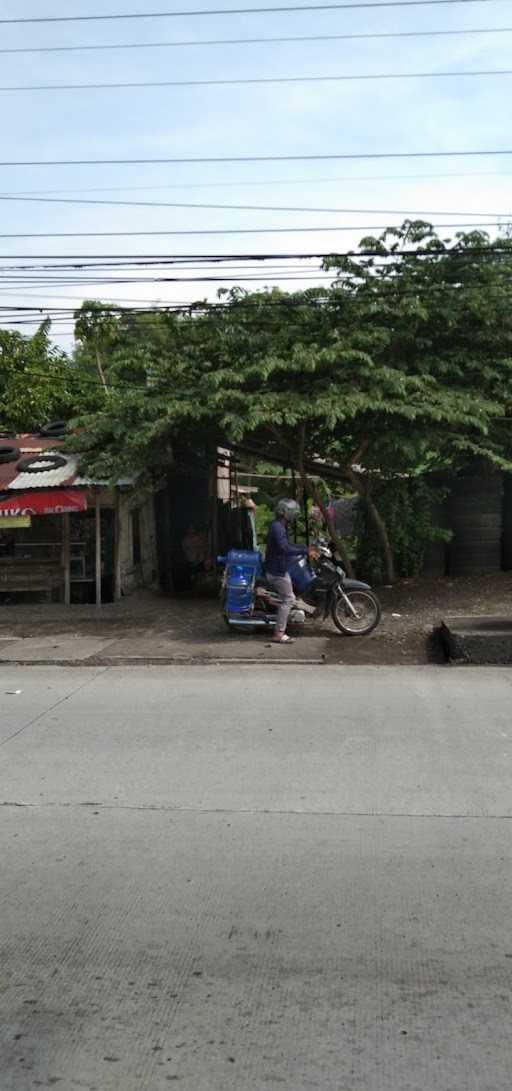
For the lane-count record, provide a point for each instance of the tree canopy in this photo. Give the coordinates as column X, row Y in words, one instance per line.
column 39, row 383
column 403, row 365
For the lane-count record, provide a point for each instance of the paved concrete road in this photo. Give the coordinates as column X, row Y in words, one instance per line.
column 242, row 880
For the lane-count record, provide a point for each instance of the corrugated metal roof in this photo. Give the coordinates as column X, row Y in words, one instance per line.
column 28, row 445
column 67, row 475
column 47, row 479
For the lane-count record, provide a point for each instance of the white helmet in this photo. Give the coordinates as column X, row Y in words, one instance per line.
column 289, row 508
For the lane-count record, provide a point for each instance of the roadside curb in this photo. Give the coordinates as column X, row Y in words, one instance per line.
column 163, row 661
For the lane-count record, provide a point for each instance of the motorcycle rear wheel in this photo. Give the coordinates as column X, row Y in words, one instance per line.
column 368, row 610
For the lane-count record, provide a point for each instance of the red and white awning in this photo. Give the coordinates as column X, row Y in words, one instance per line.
column 45, row 502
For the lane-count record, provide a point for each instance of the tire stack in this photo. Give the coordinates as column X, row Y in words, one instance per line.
column 475, row 509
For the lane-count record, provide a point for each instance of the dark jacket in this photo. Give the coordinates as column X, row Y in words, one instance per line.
column 280, row 551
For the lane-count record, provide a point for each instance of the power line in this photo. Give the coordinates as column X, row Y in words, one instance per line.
column 504, row 246
column 46, row 262
column 224, row 231
column 235, row 282
column 18, row 284
column 247, row 208
column 52, row 285
column 261, row 182
column 78, row 377
column 390, row 291
column 103, row 261
column 236, row 279
column 349, row 287
column 251, row 158
column 343, row 289
column 96, row 277
column 173, row 264
column 118, row 301
column 256, row 41
column 249, row 81
column 356, row 293
column 10, row 283
column 56, row 293
column 232, row 11
column 391, row 294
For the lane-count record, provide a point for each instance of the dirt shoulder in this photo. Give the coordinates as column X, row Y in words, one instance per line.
column 158, row 627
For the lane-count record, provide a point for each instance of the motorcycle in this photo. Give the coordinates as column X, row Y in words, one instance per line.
column 322, row 586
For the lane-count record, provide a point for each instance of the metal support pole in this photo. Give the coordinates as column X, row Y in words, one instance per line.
column 97, row 511
column 117, row 545
column 66, row 556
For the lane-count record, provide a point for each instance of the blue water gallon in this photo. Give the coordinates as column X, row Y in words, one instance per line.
column 302, row 574
column 242, row 567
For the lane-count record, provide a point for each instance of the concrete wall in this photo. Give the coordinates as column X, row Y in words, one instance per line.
column 143, row 573
column 133, row 573
column 223, row 476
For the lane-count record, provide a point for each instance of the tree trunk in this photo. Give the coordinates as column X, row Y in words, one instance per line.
column 314, row 492
column 378, row 522
column 101, row 373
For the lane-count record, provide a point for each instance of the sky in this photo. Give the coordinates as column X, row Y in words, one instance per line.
column 438, row 113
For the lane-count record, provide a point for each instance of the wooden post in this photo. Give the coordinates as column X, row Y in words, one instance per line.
column 117, row 545
column 66, row 556
column 214, row 501
column 97, row 509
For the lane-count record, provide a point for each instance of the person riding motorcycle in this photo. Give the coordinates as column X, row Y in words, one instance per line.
column 278, row 556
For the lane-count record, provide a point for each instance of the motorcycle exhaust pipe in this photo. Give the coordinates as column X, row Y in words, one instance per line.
column 250, row 621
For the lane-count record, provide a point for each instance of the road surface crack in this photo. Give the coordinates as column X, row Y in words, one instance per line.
column 61, row 701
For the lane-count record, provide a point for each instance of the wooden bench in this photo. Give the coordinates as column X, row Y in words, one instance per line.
column 41, row 577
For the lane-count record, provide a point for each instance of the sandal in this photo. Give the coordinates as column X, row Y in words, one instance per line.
column 284, row 639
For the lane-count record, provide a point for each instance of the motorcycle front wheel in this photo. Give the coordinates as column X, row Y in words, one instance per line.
column 367, row 608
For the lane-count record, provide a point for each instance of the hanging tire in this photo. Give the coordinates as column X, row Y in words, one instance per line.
column 9, row 453
column 38, row 464
column 367, row 607
column 54, row 430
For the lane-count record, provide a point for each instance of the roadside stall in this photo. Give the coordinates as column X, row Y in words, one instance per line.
column 64, row 537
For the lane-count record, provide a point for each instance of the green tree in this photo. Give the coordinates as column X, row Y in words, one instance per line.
column 97, row 331
column 38, row 382
column 400, row 367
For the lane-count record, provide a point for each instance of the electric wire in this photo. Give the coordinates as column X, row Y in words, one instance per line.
column 342, row 291
column 224, row 231
column 254, row 80
column 349, row 296
column 95, row 47
column 504, row 246
column 115, row 16
column 261, row 182
column 254, row 158
column 17, row 282
column 245, row 208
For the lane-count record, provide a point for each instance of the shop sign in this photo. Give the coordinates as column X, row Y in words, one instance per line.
column 14, row 522
column 43, row 502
